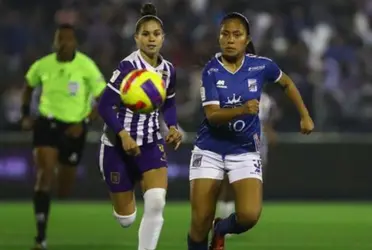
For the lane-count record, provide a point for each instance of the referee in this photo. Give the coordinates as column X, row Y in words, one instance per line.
column 69, row 80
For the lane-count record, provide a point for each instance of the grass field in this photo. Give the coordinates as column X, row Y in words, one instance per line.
column 89, row 226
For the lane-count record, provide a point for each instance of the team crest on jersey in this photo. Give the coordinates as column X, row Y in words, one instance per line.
column 234, row 101
column 115, row 177
column 252, row 85
column 73, row 88
column 196, row 160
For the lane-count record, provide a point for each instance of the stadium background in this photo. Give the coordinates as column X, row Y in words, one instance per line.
column 325, row 46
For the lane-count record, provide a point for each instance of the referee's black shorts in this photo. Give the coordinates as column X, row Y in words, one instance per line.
column 52, row 133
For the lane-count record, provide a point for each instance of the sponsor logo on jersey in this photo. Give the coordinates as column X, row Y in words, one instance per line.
column 221, row 84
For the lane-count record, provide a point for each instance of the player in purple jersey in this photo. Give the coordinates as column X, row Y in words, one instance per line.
column 228, row 140
column 132, row 149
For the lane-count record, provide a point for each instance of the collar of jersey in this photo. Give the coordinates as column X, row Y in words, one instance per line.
column 147, row 64
column 219, row 54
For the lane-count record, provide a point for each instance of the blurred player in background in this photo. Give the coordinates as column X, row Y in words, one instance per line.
column 69, row 80
column 229, row 137
column 132, row 148
column 226, row 205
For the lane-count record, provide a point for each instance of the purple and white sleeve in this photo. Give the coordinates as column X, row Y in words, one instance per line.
column 169, row 107
column 111, row 97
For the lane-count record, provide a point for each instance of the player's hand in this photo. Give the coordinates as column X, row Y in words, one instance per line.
column 307, row 125
column 27, row 123
column 174, row 137
column 75, row 130
column 129, row 145
column 251, row 107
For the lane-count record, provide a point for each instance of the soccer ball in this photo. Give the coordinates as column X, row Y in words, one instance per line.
column 143, row 91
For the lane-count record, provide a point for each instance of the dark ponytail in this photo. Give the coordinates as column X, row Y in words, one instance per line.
column 250, row 49
column 148, row 12
column 235, row 15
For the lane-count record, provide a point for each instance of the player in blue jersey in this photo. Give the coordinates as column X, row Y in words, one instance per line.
column 226, row 204
column 228, row 140
column 132, row 149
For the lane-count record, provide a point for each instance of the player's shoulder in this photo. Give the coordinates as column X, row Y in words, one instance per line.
column 258, row 63
column 128, row 62
column 170, row 67
column 257, row 58
column 82, row 57
column 212, row 66
column 168, row 63
column 46, row 59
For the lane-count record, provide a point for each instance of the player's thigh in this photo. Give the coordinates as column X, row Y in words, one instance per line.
column 45, row 152
column 206, row 174
column 152, row 164
column 70, row 154
column 46, row 134
column 248, row 200
column 119, row 179
column 71, row 149
column 245, row 175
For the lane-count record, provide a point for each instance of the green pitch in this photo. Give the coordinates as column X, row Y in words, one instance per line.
column 292, row 226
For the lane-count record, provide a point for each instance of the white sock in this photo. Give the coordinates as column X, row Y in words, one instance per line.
column 152, row 220
column 225, row 208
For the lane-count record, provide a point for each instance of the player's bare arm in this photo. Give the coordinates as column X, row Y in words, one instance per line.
column 218, row 116
column 307, row 124
column 26, row 121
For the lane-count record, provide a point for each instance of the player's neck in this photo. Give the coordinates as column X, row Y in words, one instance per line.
column 231, row 63
column 65, row 57
column 153, row 61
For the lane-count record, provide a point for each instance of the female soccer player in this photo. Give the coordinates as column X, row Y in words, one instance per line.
column 229, row 137
column 67, row 78
column 226, row 203
column 132, row 148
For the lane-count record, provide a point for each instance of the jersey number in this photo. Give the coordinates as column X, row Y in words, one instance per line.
column 237, row 126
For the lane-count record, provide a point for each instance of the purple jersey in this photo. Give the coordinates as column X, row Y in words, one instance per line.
column 144, row 128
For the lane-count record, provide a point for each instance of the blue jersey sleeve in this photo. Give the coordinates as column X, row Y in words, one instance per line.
column 208, row 90
column 272, row 72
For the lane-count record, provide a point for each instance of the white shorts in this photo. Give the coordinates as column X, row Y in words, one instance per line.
column 205, row 164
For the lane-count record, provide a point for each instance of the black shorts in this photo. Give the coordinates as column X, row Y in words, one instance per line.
column 50, row 132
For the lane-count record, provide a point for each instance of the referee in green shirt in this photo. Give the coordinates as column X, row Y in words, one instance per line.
column 69, row 80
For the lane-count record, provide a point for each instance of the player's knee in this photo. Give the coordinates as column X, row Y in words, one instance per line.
column 154, row 201
column 125, row 220
column 202, row 221
column 44, row 179
column 248, row 218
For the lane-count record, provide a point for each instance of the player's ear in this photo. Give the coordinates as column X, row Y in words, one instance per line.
column 136, row 38
column 248, row 41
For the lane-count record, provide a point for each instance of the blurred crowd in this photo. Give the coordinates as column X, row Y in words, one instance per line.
column 325, row 46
